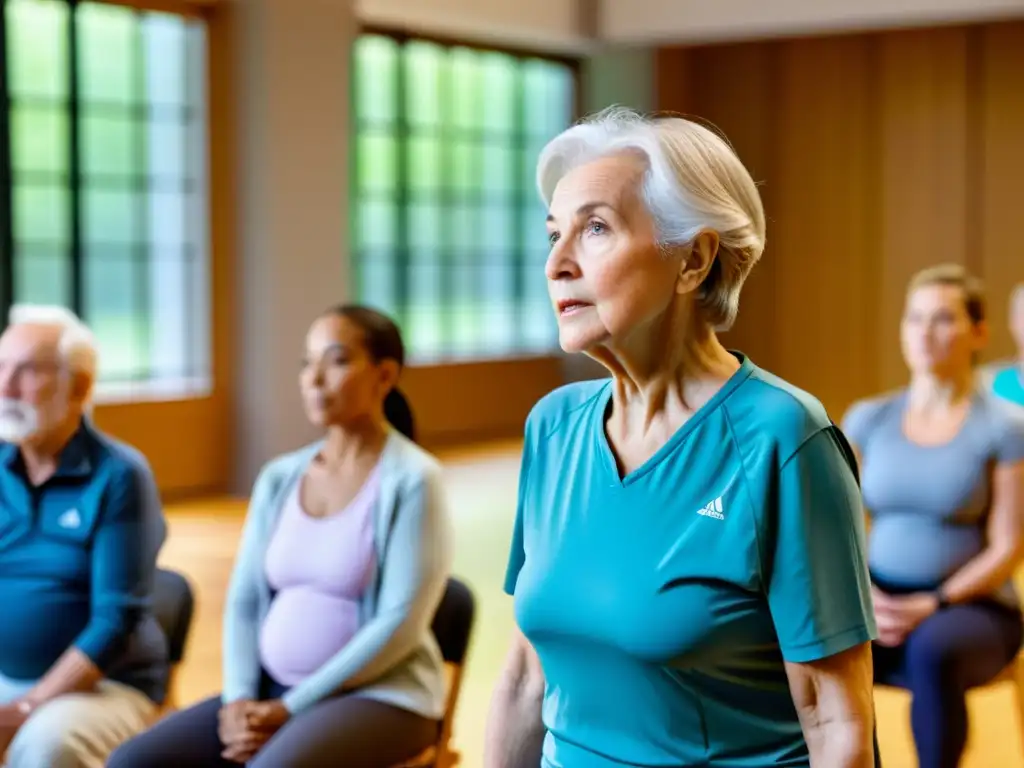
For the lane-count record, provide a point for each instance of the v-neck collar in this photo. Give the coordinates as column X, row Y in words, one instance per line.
column 601, row 413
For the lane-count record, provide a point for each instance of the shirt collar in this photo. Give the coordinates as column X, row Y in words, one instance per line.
column 75, row 459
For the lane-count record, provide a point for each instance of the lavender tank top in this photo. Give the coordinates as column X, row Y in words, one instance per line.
column 318, row 569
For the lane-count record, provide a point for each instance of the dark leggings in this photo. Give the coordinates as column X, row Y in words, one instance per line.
column 345, row 731
column 958, row 648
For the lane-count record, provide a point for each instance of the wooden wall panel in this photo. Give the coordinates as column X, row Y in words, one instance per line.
column 731, row 88
column 922, row 95
column 821, row 219
column 184, row 440
column 879, row 154
column 1002, row 130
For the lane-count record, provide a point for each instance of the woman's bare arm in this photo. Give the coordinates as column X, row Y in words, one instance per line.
column 515, row 734
column 993, row 566
column 835, row 703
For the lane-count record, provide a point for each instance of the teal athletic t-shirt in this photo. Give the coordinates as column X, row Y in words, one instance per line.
column 662, row 604
column 1008, row 384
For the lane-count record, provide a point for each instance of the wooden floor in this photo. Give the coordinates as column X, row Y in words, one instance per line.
column 482, row 489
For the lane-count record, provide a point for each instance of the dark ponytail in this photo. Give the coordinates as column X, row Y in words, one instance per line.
column 399, row 413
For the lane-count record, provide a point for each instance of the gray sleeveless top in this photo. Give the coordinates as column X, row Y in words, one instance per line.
column 929, row 504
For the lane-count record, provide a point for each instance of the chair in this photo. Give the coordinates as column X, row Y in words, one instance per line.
column 1013, row 673
column 173, row 606
column 453, row 626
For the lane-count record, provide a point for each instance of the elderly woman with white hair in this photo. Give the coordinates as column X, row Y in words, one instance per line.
column 687, row 562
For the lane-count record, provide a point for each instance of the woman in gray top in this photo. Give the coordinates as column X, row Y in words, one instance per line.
column 943, row 479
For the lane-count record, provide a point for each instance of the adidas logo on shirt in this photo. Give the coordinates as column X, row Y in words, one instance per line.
column 714, row 509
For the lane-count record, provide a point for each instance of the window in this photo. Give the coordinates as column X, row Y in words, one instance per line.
column 104, row 209
column 448, row 231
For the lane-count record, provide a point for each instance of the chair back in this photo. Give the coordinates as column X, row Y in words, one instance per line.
column 453, row 621
column 453, row 627
column 173, row 605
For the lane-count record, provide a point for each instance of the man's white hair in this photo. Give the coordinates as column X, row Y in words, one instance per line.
column 77, row 344
column 694, row 182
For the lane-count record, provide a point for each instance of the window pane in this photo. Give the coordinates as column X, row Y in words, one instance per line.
column 37, row 48
column 110, row 145
column 535, row 230
column 496, row 268
column 41, row 214
column 498, row 315
column 143, row 202
column 168, row 227
column 164, row 44
column 423, row 72
column 377, row 280
column 172, row 274
column 499, row 93
column 39, row 140
column 547, row 96
column 42, row 275
column 166, row 140
column 425, row 160
column 108, row 53
column 376, row 161
column 111, row 216
column 424, row 231
column 465, row 90
column 376, row 224
column 499, row 173
column 466, row 160
column 110, row 280
column 463, row 227
column 424, row 329
column 375, row 82
column 459, row 252
column 528, row 178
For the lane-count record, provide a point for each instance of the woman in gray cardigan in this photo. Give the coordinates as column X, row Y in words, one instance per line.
column 328, row 653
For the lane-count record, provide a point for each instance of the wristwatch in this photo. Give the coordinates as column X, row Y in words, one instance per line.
column 940, row 597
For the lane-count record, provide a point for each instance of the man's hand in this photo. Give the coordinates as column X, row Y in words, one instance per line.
column 12, row 717
column 245, row 726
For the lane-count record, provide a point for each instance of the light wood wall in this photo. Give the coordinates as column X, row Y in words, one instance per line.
column 879, row 154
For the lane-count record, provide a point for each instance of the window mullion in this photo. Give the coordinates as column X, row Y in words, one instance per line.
column 6, row 179
column 74, row 163
column 400, row 274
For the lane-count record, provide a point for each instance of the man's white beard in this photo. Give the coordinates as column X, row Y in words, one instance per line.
column 18, row 421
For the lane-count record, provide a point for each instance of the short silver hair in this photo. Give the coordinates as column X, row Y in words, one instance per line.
column 694, row 182
column 77, row 346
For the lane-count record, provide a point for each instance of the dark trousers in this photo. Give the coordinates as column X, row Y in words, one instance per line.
column 344, row 731
column 952, row 651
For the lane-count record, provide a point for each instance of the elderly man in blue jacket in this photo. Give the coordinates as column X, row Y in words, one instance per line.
column 83, row 662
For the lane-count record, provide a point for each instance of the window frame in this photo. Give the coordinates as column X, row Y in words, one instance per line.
column 402, row 132
column 190, row 385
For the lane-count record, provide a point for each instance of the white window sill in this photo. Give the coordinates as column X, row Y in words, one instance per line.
column 155, row 391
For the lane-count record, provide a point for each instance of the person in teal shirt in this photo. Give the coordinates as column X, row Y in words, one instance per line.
column 1006, row 380
column 688, row 557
